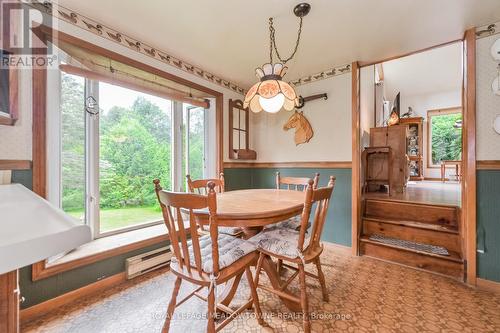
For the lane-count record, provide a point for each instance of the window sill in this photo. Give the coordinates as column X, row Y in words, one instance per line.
column 104, row 248
column 7, row 119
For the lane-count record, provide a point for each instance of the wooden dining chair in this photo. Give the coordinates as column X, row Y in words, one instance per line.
column 298, row 247
column 200, row 186
column 205, row 261
column 295, row 183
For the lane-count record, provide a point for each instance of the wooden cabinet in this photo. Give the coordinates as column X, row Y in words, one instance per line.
column 395, row 138
column 415, row 146
column 9, row 302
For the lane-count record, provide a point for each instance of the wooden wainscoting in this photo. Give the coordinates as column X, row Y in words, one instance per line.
column 488, row 165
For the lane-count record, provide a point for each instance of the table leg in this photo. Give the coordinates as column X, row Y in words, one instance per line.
column 251, row 231
column 272, row 272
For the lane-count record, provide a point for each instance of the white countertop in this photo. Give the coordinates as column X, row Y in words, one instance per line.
column 32, row 229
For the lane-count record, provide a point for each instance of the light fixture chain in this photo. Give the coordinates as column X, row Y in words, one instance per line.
column 272, row 45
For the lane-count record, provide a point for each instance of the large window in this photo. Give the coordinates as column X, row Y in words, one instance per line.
column 109, row 154
column 444, row 135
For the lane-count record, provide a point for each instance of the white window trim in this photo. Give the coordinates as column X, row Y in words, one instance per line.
column 54, row 132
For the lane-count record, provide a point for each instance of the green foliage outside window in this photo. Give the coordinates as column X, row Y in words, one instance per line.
column 135, row 148
column 446, row 137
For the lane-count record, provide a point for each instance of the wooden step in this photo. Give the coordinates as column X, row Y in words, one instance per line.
column 451, row 265
column 419, row 232
column 411, row 211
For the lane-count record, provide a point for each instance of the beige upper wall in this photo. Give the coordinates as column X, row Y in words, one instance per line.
column 330, row 120
column 15, row 141
column 487, row 103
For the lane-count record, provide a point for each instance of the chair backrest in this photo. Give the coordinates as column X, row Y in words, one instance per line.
column 200, row 186
column 173, row 205
column 295, row 183
column 320, row 198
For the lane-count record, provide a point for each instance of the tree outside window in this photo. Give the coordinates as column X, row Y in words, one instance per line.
column 445, row 135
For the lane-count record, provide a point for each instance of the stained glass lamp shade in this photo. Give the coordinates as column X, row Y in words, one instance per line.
column 271, row 94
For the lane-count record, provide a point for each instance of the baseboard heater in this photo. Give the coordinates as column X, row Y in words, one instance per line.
column 147, row 262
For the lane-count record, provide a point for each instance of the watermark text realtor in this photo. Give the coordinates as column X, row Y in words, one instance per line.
column 24, row 27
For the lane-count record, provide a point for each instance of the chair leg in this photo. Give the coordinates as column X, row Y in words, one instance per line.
column 171, row 305
column 255, row 296
column 258, row 269
column 280, row 266
column 303, row 299
column 212, row 311
column 321, row 278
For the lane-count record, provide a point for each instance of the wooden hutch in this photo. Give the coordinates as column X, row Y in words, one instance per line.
column 414, row 146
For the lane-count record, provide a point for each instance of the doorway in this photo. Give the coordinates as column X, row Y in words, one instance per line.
column 424, row 90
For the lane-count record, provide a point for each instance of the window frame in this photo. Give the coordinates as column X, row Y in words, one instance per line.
column 430, row 114
column 92, row 157
column 39, row 103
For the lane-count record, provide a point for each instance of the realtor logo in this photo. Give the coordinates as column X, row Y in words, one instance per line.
column 24, row 27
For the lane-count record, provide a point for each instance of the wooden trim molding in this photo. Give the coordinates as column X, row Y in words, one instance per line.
column 468, row 220
column 10, row 118
column 488, row 285
column 356, row 160
column 488, row 165
column 15, row 165
column 369, row 63
column 40, row 309
column 315, row 165
column 346, row 250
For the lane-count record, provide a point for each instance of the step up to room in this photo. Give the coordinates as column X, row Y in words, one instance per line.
column 414, row 256
column 442, row 215
column 420, row 232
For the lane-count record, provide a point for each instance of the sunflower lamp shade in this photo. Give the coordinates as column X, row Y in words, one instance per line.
column 271, row 93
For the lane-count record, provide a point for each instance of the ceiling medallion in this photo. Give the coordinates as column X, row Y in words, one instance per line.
column 271, row 93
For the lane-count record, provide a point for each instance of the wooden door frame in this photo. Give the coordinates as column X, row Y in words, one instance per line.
column 468, row 211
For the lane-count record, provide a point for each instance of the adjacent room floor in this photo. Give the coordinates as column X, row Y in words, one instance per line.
column 366, row 295
column 429, row 192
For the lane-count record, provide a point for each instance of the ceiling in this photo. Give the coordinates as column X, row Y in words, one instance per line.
column 230, row 38
column 435, row 71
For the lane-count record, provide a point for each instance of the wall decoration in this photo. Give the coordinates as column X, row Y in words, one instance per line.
column 303, row 129
column 495, row 50
column 496, row 124
column 487, row 30
column 338, row 70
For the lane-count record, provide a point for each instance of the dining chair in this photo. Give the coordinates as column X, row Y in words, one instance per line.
column 205, row 261
column 297, row 184
column 200, row 186
column 298, row 247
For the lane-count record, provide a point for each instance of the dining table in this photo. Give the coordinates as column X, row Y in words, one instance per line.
column 252, row 210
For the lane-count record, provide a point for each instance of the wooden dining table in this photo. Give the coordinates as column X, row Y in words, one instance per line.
column 251, row 210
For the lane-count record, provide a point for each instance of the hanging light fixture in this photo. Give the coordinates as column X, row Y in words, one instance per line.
column 271, row 93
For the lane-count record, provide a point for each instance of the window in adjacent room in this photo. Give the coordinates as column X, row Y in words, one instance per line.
column 444, row 135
